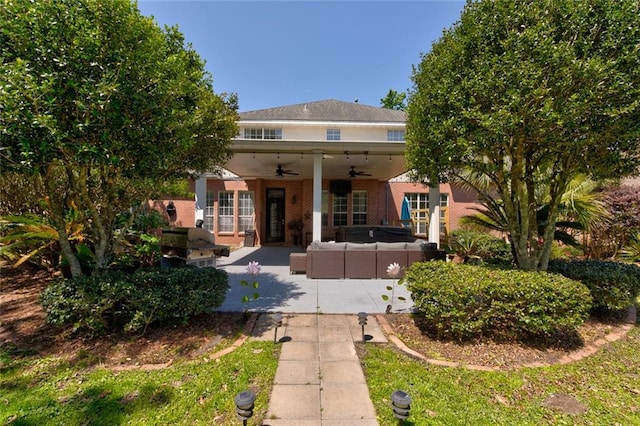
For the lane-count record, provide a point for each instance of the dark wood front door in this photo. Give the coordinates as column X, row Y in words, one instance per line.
column 275, row 215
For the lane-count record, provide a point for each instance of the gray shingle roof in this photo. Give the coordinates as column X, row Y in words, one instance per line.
column 328, row 110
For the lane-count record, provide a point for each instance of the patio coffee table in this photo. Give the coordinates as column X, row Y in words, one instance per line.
column 297, row 263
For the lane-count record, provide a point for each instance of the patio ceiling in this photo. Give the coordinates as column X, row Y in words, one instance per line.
column 252, row 160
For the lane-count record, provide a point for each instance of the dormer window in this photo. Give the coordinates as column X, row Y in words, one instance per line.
column 259, row 133
column 333, row 134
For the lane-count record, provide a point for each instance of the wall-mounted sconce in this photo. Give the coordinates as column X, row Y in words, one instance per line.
column 294, row 199
column 171, row 210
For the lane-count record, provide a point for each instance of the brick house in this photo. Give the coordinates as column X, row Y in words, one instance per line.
column 319, row 165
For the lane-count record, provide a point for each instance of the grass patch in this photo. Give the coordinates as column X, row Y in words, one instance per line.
column 51, row 391
column 606, row 383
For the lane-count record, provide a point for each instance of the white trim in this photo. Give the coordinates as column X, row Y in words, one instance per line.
column 317, row 195
column 434, row 214
column 272, row 123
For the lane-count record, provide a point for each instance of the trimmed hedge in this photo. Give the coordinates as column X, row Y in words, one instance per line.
column 491, row 249
column 116, row 301
column 613, row 285
column 465, row 302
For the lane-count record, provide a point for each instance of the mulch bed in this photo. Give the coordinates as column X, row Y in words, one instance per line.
column 499, row 355
column 23, row 327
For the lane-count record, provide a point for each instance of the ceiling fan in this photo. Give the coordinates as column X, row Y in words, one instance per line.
column 280, row 172
column 355, row 173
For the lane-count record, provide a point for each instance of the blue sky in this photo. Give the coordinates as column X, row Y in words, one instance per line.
column 275, row 53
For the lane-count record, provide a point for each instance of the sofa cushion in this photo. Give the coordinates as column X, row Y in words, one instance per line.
column 415, row 246
column 327, row 246
column 362, row 246
column 392, row 246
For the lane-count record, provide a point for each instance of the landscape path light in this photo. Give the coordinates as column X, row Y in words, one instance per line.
column 362, row 320
column 244, row 405
column 277, row 322
column 401, row 404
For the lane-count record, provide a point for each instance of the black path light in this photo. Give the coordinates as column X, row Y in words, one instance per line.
column 277, row 322
column 362, row 320
column 401, row 404
column 244, row 405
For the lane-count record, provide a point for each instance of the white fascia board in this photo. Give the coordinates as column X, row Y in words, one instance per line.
column 283, row 123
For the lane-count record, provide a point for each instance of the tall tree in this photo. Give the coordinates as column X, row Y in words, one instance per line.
column 104, row 106
column 394, row 100
column 530, row 94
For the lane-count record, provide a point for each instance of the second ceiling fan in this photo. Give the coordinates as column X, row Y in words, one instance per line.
column 353, row 173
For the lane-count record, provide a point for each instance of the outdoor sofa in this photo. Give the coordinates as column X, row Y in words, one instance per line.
column 365, row 260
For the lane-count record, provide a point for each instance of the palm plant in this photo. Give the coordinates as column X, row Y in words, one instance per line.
column 30, row 237
column 580, row 209
column 632, row 250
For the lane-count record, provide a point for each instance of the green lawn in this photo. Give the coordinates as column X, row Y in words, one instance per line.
column 607, row 383
column 51, row 391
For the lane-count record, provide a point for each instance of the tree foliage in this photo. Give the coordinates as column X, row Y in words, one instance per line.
column 530, row 94
column 104, row 107
column 394, row 100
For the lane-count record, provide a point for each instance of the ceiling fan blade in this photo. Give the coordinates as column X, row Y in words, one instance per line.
column 281, row 172
column 353, row 172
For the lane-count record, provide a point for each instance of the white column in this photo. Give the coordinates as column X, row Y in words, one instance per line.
column 434, row 214
column 201, row 196
column 317, row 195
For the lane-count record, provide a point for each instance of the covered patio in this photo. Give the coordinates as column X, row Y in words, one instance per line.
column 286, row 159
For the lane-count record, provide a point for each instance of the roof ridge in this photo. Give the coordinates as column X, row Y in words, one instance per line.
column 325, row 110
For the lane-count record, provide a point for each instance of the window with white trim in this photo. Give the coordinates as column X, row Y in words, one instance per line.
column 209, row 211
column 444, row 204
column 272, row 134
column 339, row 210
column 395, row 135
column 419, row 207
column 359, row 207
column 333, row 134
column 245, row 210
column 225, row 211
column 260, row 133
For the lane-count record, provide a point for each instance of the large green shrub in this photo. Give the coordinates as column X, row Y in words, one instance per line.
column 491, row 249
column 613, row 285
column 116, row 300
column 465, row 301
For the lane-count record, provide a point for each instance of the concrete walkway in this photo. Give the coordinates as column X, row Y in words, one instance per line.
column 319, row 380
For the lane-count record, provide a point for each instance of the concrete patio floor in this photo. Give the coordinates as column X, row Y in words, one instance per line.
column 281, row 291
